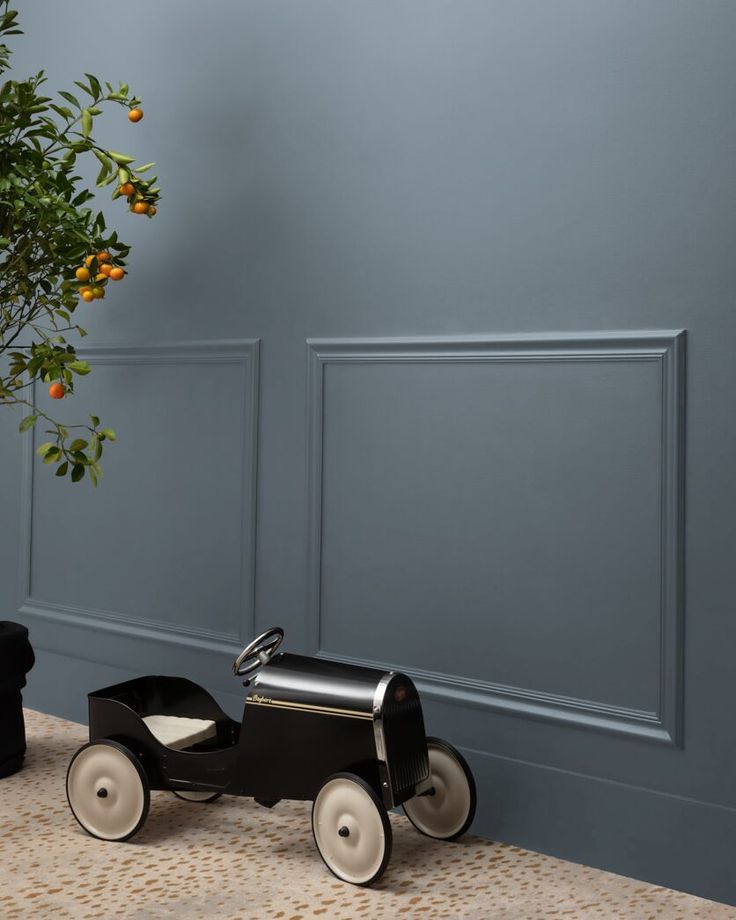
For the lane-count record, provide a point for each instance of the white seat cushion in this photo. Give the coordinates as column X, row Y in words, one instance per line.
column 178, row 732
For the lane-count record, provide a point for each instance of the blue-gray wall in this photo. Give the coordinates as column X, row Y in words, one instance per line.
column 400, row 365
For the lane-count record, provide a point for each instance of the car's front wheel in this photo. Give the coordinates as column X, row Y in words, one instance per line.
column 108, row 790
column 448, row 811
column 351, row 829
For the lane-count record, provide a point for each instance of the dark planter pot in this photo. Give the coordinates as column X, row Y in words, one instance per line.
column 16, row 660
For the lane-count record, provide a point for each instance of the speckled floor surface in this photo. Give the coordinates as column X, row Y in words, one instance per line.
column 237, row 861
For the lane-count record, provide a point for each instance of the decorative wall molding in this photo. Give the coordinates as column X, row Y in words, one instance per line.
column 666, row 348
column 243, row 352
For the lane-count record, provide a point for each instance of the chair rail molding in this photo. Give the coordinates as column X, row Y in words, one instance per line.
column 662, row 347
column 116, row 625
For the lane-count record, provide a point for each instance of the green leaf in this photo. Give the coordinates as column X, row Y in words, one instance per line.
column 28, row 422
column 95, row 421
column 62, row 468
column 44, row 448
column 79, row 367
column 108, row 433
column 121, row 158
column 144, row 168
column 86, row 89
column 94, row 83
column 70, row 98
column 78, row 444
column 77, row 472
column 86, row 122
column 62, row 110
column 52, row 455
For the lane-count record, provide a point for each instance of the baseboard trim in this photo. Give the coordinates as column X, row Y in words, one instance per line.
column 658, row 837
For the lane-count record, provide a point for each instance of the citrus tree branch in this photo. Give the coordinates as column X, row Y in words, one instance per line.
column 55, row 249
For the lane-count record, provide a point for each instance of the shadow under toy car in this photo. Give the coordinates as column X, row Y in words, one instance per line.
column 350, row 739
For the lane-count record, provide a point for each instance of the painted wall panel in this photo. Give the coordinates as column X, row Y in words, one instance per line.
column 167, row 540
column 505, row 516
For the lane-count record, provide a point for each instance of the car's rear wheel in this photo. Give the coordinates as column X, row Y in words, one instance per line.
column 193, row 796
column 107, row 790
column 448, row 811
column 351, row 829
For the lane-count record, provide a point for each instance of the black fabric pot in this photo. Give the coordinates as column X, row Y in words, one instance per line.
column 16, row 660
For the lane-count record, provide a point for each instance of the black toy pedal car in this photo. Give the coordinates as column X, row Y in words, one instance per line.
column 350, row 739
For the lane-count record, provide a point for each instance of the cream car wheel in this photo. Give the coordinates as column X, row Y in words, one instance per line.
column 193, row 796
column 351, row 829
column 107, row 790
column 449, row 811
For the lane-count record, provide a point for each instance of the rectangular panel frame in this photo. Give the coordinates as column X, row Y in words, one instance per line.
column 77, row 619
column 664, row 347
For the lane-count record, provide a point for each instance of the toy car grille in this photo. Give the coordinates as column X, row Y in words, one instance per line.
column 403, row 725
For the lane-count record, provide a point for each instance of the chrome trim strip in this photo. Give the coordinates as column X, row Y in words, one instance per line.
column 378, row 731
column 308, row 707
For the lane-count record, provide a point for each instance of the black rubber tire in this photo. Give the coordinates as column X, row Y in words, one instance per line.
column 462, row 762
column 388, row 834
column 144, row 782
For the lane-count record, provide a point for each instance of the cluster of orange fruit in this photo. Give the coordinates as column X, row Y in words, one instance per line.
column 137, row 207
column 97, row 268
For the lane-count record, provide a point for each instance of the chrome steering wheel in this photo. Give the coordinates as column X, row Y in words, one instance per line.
column 259, row 652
